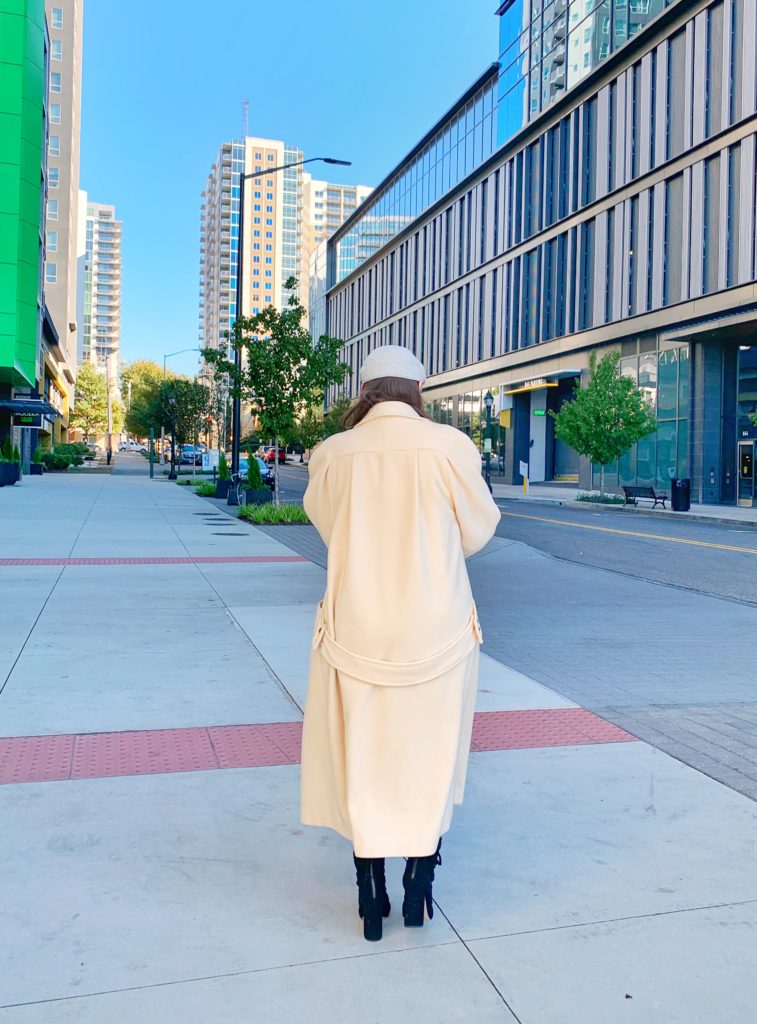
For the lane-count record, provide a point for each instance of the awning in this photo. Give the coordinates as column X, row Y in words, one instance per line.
column 29, row 407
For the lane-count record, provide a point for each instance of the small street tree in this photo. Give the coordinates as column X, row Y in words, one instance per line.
column 283, row 370
column 332, row 419
column 181, row 406
column 607, row 416
column 90, row 413
column 139, row 386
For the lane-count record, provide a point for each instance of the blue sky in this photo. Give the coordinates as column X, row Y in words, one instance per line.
column 163, row 85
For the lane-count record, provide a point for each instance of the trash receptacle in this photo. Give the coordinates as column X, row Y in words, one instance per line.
column 680, row 495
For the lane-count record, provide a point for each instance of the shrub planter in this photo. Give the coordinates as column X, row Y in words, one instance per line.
column 35, row 469
column 258, row 497
column 10, row 473
column 222, row 488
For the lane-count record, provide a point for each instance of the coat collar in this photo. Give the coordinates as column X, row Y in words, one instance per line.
column 390, row 409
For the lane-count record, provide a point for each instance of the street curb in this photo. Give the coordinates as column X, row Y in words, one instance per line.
column 588, row 506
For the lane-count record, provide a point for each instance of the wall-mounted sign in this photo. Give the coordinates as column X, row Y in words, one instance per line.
column 27, row 419
column 540, row 412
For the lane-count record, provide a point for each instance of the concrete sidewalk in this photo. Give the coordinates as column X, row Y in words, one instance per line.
column 549, row 494
column 153, row 862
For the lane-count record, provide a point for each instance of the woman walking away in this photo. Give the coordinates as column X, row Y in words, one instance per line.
column 400, row 502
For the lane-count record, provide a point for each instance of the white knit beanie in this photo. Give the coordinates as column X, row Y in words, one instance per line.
column 392, row 361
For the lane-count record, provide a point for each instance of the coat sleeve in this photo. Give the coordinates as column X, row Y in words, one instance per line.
column 316, row 501
column 477, row 514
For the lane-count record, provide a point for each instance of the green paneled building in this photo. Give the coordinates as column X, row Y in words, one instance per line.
column 23, row 77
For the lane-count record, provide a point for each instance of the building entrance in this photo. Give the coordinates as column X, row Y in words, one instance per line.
column 747, row 493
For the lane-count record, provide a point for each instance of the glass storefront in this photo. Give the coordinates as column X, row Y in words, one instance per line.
column 664, row 377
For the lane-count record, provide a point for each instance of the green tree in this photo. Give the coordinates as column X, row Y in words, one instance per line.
column 607, row 416
column 284, row 371
column 332, row 419
column 90, row 413
column 311, row 428
column 181, row 405
column 139, row 387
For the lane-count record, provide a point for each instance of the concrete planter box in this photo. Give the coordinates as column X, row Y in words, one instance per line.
column 10, row 473
column 36, row 469
column 259, row 497
column 222, row 488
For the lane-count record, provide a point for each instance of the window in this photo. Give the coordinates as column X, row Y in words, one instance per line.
column 256, row 233
column 256, row 259
column 55, row 113
column 52, row 241
column 256, row 207
column 56, row 50
column 55, row 81
column 269, row 221
column 270, row 156
column 269, row 196
column 268, row 259
column 54, row 145
column 258, row 156
column 268, row 247
column 256, row 246
column 51, row 273
column 53, row 177
column 57, row 17
column 268, row 286
column 256, row 195
column 269, row 209
column 256, row 220
column 269, row 234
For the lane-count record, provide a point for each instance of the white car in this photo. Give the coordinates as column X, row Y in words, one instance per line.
column 132, row 446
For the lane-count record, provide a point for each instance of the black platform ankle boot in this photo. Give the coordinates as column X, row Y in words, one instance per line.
column 373, row 901
column 418, row 880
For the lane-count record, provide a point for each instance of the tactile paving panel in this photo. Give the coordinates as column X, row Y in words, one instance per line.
column 250, row 746
column 179, row 560
column 99, row 755
column 550, row 727
column 35, row 758
column 155, row 751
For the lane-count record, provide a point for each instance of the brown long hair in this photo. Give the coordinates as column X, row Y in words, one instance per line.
column 383, row 389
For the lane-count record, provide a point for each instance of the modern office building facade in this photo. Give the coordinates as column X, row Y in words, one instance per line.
column 99, row 300
column 65, row 23
column 27, row 332
column 594, row 190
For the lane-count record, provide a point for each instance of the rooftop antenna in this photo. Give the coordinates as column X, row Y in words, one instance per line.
column 245, row 124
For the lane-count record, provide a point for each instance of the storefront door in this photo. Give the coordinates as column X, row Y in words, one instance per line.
column 747, row 482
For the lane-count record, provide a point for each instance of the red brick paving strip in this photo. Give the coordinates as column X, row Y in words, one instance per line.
column 179, row 560
column 157, row 751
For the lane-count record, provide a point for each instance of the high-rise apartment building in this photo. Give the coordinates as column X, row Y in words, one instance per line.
column 593, row 190
column 287, row 214
column 272, row 239
column 99, row 302
column 64, row 20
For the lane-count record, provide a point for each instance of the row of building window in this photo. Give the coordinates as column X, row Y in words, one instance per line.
column 676, row 241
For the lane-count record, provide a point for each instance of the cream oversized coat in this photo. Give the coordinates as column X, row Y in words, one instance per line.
column 400, row 502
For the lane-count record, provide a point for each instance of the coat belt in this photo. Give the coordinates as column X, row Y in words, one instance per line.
column 395, row 673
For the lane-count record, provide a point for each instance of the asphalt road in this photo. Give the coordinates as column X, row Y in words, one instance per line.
column 709, row 558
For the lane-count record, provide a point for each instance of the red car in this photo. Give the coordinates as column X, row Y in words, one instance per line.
column 268, row 454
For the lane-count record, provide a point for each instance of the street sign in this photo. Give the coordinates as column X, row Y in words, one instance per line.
column 210, row 459
column 487, row 445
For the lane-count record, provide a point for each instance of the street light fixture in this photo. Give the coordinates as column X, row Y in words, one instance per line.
column 488, row 402
column 236, row 411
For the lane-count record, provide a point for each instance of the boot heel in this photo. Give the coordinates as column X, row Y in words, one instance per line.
column 373, row 923
column 412, row 911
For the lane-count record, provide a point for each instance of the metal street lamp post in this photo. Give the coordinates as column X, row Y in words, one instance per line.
column 172, row 403
column 236, row 408
column 167, row 355
column 488, row 402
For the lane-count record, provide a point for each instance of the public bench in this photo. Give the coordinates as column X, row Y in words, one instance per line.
column 649, row 493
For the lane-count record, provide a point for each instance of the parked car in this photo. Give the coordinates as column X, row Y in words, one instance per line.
column 132, row 446
column 190, row 455
column 267, row 453
column 266, row 472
